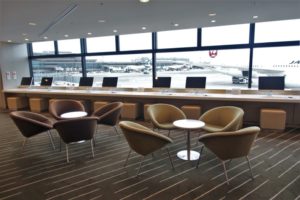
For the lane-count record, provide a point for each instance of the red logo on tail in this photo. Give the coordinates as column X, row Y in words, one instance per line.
column 213, row 53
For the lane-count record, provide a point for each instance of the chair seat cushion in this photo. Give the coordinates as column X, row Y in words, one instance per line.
column 212, row 128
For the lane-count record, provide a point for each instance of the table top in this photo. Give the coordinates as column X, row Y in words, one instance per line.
column 74, row 114
column 188, row 124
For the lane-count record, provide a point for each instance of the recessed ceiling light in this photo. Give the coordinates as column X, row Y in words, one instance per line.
column 101, row 21
column 115, row 31
column 45, row 37
column 9, row 41
column 24, row 34
column 144, row 1
column 89, row 33
column 66, row 35
column 175, row 24
column 32, row 24
column 213, row 21
column 26, row 39
column 144, row 28
column 255, row 17
column 212, row 14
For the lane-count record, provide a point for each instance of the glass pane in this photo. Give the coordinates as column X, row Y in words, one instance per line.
column 101, row 44
column 69, row 46
column 65, row 71
column 224, row 69
column 176, row 39
column 135, row 41
column 43, row 48
column 133, row 70
column 277, row 61
column 287, row 30
column 224, row 35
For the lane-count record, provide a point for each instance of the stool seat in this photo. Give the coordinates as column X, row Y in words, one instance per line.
column 191, row 111
column 38, row 104
column 130, row 111
column 272, row 118
column 17, row 103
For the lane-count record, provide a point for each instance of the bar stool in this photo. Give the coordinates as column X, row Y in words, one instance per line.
column 272, row 118
column 17, row 103
column 146, row 115
column 99, row 104
column 38, row 104
column 130, row 111
column 191, row 111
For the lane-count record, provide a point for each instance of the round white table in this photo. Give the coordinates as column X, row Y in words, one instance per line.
column 188, row 124
column 74, row 114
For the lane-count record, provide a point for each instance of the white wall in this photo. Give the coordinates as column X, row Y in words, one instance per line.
column 13, row 58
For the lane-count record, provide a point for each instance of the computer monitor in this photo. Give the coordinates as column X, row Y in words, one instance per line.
column 162, row 82
column 86, row 81
column 195, row 82
column 46, row 81
column 110, row 82
column 26, row 81
column 271, row 83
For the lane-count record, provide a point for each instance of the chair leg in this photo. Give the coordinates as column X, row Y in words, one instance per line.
column 170, row 158
column 169, row 133
column 116, row 130
column 141, row 162
column 94, row 141
column 67, row 152
column 229, row 162
column 51, row 139
column 59, row 144
column 127, row 158
column 23, row 144
column 250, row 168
column 225, row 172
column 92, row 146
column 199, row 156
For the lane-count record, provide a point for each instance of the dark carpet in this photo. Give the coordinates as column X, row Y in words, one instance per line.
column 39, row 172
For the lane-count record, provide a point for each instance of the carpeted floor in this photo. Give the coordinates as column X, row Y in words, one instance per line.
column 42, row 173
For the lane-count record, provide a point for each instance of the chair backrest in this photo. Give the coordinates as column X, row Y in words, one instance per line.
column 229, row 117
column 164, row 113
column 30, row 123
column 109, row 114
column 60, row 106
column 75, row 130
column 142, row 139
column 229, row 145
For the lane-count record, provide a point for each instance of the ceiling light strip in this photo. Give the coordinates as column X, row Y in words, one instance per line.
column 59, row 18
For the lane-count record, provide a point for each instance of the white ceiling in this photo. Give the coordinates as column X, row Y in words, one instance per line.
column 128, row 16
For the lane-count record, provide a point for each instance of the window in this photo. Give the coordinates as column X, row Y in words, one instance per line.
column 226, row 70
column 69, row 46
column 139, row 41
column 65, row 71
column 43, row 48
column 101, row 44
column 287, row 30
column 277, row 61
column 224, row 35
column 176, row 39
column 132, row 70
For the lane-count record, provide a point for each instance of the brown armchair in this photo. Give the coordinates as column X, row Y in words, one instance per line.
column 31, row 124
column 224, row 118
column 162, row 116
column 109, row 114
column 229, row 145
column 75, row 130
column 60, row 106
column 143, row 140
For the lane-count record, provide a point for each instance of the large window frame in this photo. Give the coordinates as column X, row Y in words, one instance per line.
column 251, row 45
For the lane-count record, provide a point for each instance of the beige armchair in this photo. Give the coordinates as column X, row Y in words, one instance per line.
column 224, row 118
column 229, row 145
column 162, row 116
column 143, row 140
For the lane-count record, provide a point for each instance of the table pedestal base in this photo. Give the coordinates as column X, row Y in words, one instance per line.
column 194, row 155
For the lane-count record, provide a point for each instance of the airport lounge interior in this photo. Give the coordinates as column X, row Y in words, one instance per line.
column 150, row 99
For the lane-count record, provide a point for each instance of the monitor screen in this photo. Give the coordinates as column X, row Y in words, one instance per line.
column 26, row 81
column 163, row 82
column 195, row 82
column 86, row 81
column 46, row 81
column 271, row 83
column 110, row 82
